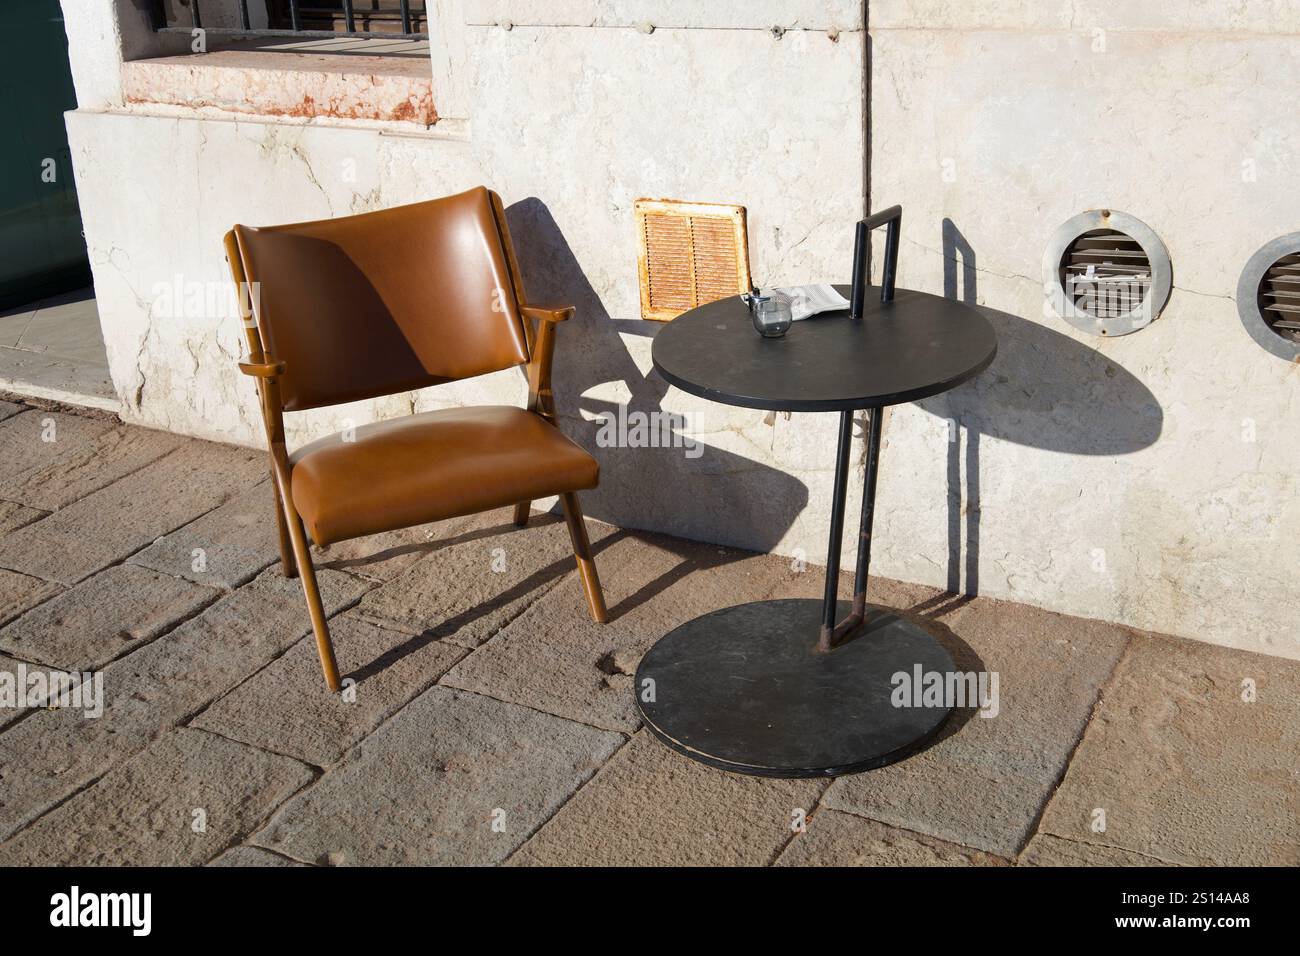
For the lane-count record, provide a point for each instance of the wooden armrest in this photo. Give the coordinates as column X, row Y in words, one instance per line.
column 546, row 313
column 267, row 369
column 540, row 399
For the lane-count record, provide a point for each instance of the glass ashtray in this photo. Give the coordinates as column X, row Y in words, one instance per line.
column 770, row 313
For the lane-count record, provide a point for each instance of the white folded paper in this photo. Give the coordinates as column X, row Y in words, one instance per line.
column 809, row 300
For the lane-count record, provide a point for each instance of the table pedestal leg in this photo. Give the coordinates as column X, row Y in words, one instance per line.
column 831, row 632
column 779, row 689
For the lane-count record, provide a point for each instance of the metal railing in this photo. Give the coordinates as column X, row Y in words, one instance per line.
column 386, row 19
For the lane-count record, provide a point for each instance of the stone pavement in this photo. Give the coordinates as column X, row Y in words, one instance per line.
column 54, row 347
column 492, row 722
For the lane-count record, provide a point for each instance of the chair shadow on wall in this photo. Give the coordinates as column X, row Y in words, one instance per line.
column 1044, row 391
column 735, row 492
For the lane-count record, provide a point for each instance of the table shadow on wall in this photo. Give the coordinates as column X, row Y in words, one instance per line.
column 720, row 496
column 1045, row 390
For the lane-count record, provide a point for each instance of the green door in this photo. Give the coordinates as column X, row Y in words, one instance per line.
column 42, row 250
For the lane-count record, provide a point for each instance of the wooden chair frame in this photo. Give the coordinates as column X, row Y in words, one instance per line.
column 295, row 553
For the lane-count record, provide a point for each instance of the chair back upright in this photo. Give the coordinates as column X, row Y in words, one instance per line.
column 383, row 302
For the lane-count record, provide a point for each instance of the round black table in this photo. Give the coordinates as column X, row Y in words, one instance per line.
column 800, row 687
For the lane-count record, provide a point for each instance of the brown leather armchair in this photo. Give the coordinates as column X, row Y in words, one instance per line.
column 346, row 309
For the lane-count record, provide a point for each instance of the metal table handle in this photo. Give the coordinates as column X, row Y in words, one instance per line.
column 831, row 633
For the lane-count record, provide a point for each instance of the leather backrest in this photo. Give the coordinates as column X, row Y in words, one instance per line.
column 386, row 301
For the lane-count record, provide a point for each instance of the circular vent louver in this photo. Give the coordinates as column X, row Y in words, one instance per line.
column 1268, row 297
column 1279, row 297
column 1107, row 273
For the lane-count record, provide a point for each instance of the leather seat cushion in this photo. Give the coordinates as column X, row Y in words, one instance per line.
column 434, row 465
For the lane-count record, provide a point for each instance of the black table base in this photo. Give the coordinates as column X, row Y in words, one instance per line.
column 746, row 689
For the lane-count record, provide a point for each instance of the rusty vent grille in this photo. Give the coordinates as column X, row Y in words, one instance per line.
column 1279, row 297
column 689, row 254
column 1106, row 273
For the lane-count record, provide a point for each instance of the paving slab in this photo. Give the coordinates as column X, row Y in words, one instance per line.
column 37, row 439
column 284, row 706
column 986, row 781
column 252, row 856
column 453, row 778
column 382, row 557
column 49, row 755
column 67, row 325
column 20, row 592
column 178, row 803
column 1047, row 850
column 43, row 373
column 13, row 669
column 14, row 516
column 481, row 580
column 28, row 401
column 105, row 527
column 842, row 839
column 103, row 617
column 9, row 714
column 224, row 548
column 555, row 658
column 13, row 322
column 53, row 458
column 1185, row 768
column 10, row 409
column 650, row 806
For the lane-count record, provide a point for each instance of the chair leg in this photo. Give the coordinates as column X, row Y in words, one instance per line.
column 582, row 551
column 522, row 511
column 302, row 555
column 288, row 565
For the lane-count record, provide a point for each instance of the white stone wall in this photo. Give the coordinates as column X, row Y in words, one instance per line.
column 1069, row 448
column 1152, row 479
column 571, row 111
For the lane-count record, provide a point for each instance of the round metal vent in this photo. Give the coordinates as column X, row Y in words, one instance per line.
column 1268, row 297
column 1107, row 273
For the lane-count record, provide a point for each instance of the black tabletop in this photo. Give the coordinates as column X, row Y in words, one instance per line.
column 913, row 347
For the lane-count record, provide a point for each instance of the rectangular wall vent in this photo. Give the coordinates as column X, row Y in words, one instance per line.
column 689, row 254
